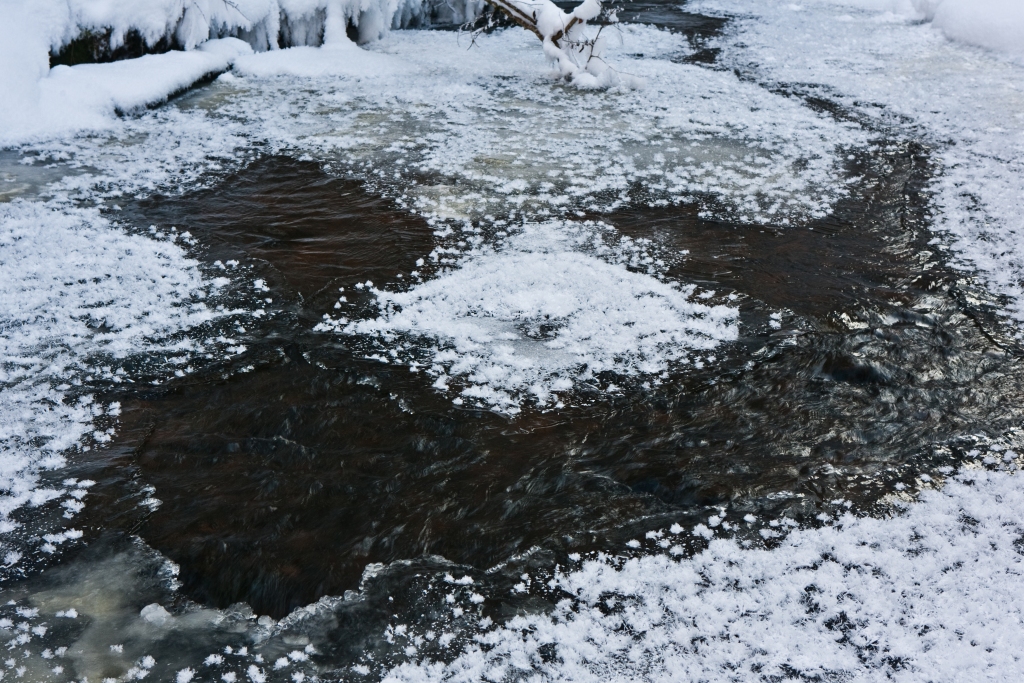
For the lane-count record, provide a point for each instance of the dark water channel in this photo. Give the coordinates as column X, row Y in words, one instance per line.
column 279, row 485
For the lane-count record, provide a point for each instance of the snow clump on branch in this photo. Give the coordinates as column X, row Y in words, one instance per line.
column 575, row 52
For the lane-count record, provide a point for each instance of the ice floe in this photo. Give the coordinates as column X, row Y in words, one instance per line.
column 548, row 308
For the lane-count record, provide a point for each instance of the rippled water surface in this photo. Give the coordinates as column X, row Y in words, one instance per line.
column 283, row 473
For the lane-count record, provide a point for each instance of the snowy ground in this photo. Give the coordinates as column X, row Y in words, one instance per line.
column 483, row 144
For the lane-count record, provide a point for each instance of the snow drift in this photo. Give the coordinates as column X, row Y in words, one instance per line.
column 994, row 24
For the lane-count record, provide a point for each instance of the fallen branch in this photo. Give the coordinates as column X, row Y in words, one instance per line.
column 560, row 33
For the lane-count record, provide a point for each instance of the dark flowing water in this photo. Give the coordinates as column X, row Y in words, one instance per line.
column 287, row 470
column 280, row 484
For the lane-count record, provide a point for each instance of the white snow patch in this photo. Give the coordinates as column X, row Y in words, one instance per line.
column 538, row 315
column 88, row 95
column 344, row 59
column 931, row 594
column 76, row 295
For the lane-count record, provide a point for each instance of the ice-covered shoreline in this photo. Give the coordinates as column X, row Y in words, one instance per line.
column 41, row 102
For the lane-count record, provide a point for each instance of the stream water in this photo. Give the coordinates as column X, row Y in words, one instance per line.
column 277, row 476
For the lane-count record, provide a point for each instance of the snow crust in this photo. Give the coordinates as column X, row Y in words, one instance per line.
column 931, row 594
column 88, row 95
column 539, row 314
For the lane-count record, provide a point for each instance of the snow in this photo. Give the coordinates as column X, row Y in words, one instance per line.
column 566, row 40
column 41, row 102
column 77, row 297
column 966, row 104
column 87, row 96
column 538, row 315
column 64, row 99
column 931, row 594
column 490, row 138
column 340, row 60
column 994, row 24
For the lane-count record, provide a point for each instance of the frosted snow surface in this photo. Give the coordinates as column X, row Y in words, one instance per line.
column 967, row 104
column 932, row 594
column 77, row 297
column 537, row 315
column 422, row 106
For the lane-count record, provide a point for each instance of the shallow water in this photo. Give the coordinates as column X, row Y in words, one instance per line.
column 281, row 483
column 283, row 472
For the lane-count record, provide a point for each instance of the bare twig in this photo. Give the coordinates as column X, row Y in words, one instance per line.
column 527, row 21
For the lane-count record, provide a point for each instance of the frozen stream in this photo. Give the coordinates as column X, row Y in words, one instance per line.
column 413, row 362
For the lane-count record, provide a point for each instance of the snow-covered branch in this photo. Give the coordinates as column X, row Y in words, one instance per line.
column 564, row 37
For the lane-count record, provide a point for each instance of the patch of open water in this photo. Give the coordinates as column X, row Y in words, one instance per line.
column 285, row 472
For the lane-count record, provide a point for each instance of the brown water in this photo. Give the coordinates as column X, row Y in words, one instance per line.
column 280, row 484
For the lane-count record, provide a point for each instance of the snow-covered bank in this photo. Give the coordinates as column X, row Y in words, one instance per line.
column 993, row 24
column 40, row 102
column 89, row 96
column 931, row 594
